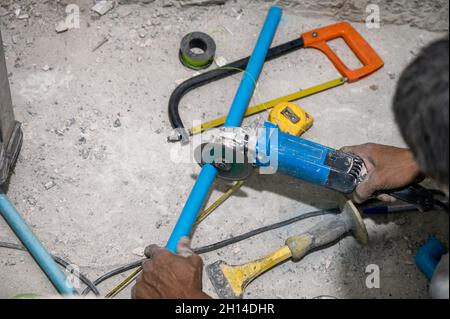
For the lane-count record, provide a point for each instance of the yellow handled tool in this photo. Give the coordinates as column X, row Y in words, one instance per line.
column 231, row 281
column 270, row 104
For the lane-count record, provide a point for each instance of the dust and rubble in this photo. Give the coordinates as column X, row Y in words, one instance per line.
column 69, row 85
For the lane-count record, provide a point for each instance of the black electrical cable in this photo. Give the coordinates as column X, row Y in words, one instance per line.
column 92, row 287
column 225, row 243
column 237, row 239
column 114, row 273
column 442, row 205
column 219, row 245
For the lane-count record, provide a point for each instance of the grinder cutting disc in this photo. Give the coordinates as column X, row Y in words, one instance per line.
column 195, row 60
column 232, row 166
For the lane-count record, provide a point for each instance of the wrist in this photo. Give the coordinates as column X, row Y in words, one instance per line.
column 412, row 164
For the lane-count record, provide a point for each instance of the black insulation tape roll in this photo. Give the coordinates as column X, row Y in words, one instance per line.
column 197, row 50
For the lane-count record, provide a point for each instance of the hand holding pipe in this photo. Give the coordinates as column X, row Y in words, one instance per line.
column 240, row 104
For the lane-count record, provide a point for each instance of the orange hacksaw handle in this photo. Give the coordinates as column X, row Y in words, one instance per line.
column 370, row 60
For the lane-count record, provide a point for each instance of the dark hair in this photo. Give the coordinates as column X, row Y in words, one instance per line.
column 421, row 109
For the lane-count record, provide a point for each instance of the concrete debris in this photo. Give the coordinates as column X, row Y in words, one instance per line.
column 189, row 3
column 3, row 12
column 401, row 221
column 18, row 63
column 103, row 7
column 100, row 44
column 430, row 15
column 58, row 132
column 46, row 68
column 117, row 123
column 70, row 122
column 139, row 251
column 82, row 140
column 31, row 200
column 238, row 13
column 85, row 153
column 221, row 61
column 61, row 27
column 15, row 38
column 228, row 30
column 23, row 17
column 142, row 34
column 50, row 185
column 328, row 263
column 167, row 4
column 148, row 42
column 123, row 12
column 135, row 1
column 180, row 81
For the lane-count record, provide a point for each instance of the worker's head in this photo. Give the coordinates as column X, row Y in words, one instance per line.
column 421, row 107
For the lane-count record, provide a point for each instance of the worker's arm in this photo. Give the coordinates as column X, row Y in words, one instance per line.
column 169, row 276
column 388, row 168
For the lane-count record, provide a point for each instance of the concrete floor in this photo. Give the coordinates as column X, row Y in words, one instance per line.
column 113, row 189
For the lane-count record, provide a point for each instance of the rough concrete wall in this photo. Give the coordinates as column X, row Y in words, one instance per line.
column 432, row 15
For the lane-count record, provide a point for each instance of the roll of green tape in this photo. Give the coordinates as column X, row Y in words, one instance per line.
column 197, row 50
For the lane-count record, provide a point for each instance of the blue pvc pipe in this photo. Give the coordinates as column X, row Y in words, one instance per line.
column 34, row 246
column 254, row 68
column 193, row 206
column 240, row 104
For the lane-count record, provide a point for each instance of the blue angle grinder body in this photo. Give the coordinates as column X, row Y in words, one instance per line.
column 308, row 161
column 236, row 154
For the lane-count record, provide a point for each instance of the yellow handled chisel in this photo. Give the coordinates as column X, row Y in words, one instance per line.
column 230, row 281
